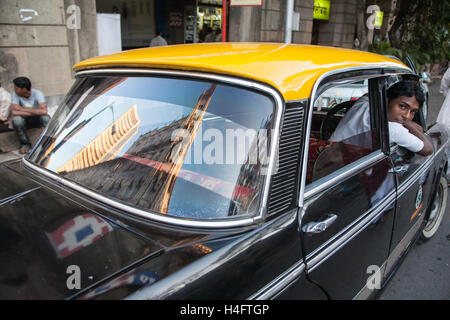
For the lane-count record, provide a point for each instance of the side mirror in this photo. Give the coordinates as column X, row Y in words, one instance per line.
column 425, row 77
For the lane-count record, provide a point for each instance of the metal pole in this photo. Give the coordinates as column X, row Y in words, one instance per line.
column 289, row 13
column 224, row 20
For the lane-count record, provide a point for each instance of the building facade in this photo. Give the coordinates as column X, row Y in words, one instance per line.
column 44, row 39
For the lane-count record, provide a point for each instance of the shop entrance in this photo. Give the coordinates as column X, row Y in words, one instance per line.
column 209, row 21
column 180, row 21
column 202, row 20
column 137, row 20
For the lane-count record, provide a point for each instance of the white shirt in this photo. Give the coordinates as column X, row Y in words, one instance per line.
column 444, row 113
column 357, row 121
column 32, row 102
column 5, row 102
column 401, row 136
column 445, row 82
column 158, row 41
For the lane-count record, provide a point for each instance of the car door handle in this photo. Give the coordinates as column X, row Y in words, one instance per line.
column 318, row 227
column 399, row 169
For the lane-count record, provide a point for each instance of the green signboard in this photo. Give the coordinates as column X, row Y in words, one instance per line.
column 321, row 9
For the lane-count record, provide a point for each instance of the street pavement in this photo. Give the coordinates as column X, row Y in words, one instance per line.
column 425, row 272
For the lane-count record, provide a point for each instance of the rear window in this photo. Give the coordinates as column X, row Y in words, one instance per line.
column 178, row 147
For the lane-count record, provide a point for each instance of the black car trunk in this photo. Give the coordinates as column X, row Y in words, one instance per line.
column 53, row 248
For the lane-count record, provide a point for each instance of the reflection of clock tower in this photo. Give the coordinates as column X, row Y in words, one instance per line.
column 141, row 185
column 165, row 181
column 106, row 145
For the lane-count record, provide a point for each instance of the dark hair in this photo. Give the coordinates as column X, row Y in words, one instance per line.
column 406, row 88
column 22, row 82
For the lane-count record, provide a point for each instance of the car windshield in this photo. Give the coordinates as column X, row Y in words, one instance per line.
column 179, row 147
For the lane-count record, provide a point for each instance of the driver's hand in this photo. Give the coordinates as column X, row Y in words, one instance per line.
column 408, row 124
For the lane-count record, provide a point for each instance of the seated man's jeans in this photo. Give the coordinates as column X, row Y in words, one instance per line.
column 21, row 124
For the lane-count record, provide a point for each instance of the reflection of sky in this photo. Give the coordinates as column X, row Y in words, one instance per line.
column 162, row 114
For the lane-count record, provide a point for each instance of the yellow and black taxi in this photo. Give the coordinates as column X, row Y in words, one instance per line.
column 224, row 171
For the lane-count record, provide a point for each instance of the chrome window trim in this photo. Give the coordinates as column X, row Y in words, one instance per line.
column 382, row 68
column 280, row 283
column 405, row 185
column 342, row 174
column 394, row 147
column 442, row 147
column 177, row 221
column 136, row 211
column 16, row 196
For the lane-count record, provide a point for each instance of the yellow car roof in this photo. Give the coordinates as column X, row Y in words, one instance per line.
column 292, row 69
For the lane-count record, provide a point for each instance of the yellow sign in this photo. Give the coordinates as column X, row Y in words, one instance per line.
column 378, row 19
column 321, row 9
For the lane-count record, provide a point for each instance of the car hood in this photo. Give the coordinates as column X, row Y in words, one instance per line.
column 54, row 248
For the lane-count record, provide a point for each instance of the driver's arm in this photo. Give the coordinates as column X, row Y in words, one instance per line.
column 409, row 136
column 417, row 130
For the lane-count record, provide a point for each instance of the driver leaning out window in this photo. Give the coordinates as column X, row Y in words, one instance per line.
column 405, row 98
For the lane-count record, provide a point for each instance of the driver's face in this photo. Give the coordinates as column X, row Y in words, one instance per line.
column 402, row 109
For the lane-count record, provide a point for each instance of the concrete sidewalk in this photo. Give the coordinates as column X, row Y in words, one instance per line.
column 6, row 156
column 10, row 155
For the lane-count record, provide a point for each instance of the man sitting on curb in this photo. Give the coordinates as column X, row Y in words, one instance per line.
column 28, row 110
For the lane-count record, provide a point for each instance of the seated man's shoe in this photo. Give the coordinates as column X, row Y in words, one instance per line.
column 24, row 149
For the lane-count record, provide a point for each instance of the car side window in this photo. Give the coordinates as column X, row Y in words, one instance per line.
column 387, row 82
column 342, row 130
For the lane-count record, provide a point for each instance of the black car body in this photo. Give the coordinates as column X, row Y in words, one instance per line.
column 102, row 209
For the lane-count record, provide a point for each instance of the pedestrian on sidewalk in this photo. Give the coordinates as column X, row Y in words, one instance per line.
column 444, row 113
column 5, row 104
column 158, row 40
column 28, row 110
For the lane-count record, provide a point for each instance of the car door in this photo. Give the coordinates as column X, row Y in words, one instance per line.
column 347, row 215
column 414, row 181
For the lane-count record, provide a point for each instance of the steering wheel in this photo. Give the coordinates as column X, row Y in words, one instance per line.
column 330, row 122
